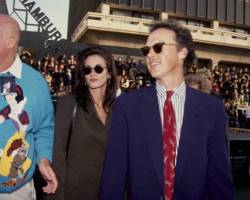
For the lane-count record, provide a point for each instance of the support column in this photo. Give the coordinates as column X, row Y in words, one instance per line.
column 163, row 16
column 215, row 24
column 105, row 8
column 215, row 62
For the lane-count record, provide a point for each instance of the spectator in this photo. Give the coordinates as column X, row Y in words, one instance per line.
column 26, row 122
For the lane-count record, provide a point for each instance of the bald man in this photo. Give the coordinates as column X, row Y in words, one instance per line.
column 26, row 121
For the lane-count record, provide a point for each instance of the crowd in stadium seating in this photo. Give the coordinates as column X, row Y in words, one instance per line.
column 58, row 71
column 232, row 84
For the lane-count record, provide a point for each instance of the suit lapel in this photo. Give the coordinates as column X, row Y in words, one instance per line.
column 153, row 129
column 191, row 113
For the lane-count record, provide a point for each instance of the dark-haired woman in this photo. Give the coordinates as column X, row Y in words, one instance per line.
column 82, row 121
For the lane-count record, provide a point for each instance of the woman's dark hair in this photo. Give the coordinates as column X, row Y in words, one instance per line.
column 183, row 39
column 82, row 93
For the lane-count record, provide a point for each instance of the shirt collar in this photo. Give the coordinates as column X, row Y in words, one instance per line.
column 180, row 90
column 16, row 68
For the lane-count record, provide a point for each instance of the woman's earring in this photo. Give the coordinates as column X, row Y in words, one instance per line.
column 109, row 81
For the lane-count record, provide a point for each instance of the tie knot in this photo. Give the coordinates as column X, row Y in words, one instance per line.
column 169, row 94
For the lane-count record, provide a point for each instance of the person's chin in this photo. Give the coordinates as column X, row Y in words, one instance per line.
column 96, row 86
column 154, row 69
column 154, row 73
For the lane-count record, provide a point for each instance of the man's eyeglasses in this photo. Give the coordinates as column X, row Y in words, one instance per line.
column 87, row 69
column 157, row 47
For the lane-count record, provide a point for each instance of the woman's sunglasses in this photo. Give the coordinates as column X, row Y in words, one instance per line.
column 87, row 69
column 157, row 47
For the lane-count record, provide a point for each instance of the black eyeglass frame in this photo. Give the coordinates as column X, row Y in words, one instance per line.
column 97, row 68
column 157, row 47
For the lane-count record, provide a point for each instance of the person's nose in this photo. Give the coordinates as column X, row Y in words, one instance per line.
column 151, row 53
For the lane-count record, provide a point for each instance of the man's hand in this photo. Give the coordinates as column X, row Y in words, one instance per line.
column 49, row 176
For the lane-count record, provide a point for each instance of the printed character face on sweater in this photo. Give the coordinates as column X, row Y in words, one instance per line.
column 15, row 97
column 15, row 109
column 6, row 86
column 99, row 75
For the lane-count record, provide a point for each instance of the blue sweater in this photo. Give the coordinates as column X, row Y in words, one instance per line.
column 26, row 129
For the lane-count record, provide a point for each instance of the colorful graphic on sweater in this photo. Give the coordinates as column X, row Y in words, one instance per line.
column 14, row 162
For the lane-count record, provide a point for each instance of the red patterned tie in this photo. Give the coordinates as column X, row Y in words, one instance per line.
column 169, row 146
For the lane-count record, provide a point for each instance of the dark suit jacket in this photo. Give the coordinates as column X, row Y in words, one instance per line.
column 79, row 175
column 135, row 150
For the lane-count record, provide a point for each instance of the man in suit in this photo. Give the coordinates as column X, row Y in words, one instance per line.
column 167, row 141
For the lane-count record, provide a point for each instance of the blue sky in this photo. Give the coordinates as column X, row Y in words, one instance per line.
column 56, row 11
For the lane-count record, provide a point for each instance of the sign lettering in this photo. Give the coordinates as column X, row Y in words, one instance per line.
column 42, row 20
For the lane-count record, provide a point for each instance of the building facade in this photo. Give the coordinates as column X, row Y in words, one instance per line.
column 220, row 28
column 3, row 7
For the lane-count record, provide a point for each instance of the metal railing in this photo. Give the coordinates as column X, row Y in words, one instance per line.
column 132, row 25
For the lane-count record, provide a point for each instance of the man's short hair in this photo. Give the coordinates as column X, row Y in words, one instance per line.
column 183, row 39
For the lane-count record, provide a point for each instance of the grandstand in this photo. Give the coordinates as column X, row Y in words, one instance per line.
column 220, row 28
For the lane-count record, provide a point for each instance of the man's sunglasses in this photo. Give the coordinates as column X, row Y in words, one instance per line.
column 157, row 47
column 87, row 69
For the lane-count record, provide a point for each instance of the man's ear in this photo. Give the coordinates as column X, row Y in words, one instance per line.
column 11, row 42
column 183, row 53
